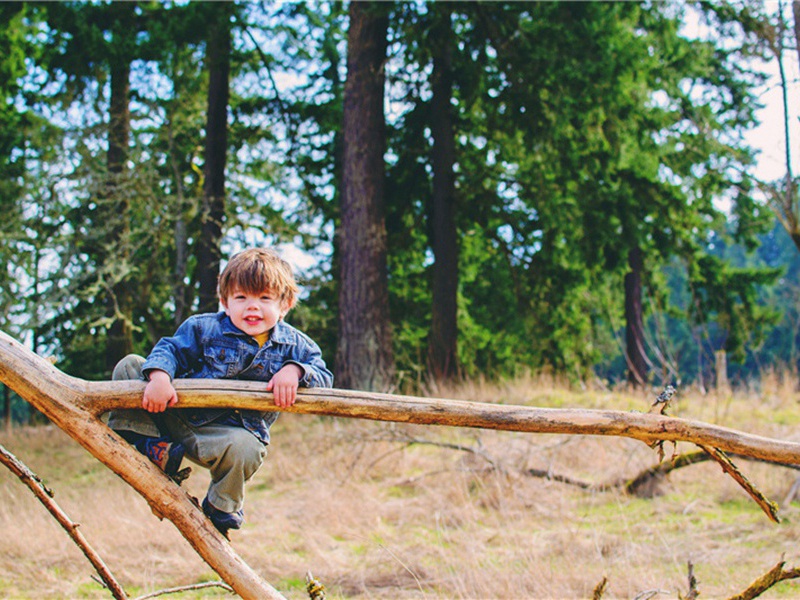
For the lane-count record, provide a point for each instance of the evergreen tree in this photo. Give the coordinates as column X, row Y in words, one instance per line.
column 364, row 358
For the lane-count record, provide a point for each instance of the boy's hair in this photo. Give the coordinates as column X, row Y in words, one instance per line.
column 259, row 270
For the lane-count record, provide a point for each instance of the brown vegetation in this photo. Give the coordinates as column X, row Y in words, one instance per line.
column 374, row 516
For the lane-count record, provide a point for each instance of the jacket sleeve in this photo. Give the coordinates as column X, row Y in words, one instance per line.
column 309, row 358
column 176, row 354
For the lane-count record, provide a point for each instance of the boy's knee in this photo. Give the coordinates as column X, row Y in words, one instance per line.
column 249, row 450
column 129, row 367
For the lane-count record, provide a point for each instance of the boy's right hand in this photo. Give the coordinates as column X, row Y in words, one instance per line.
column 159, row 393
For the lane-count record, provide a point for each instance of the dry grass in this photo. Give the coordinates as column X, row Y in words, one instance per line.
column 374, row 517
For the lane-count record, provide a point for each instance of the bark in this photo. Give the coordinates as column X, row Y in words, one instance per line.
column 784, row 202
column 364, row 357
column 181, row 238
column 794, row 208
column 764, row 582
column 209, row 253
column 634, row 321
column 721, row 369
column 442, row 346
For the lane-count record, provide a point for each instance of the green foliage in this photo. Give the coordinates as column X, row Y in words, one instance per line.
column 582, row 130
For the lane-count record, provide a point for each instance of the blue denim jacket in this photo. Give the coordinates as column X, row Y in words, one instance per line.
column 210, row 346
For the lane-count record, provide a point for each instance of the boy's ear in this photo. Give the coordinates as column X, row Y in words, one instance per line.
column 287, row 305
column 223, row 302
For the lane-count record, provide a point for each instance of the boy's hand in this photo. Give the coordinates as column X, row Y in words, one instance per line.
column 284, row 384
column 159, row 393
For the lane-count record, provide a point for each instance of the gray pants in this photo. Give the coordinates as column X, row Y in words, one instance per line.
column 232, row 454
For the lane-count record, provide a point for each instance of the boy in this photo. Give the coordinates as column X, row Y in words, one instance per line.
column 247, row 340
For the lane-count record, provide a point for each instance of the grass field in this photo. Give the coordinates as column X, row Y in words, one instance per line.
column 377, row 510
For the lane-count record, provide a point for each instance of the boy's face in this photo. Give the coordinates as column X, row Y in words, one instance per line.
column 255, row 314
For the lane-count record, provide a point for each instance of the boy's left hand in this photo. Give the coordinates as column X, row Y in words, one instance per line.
column 284, row 384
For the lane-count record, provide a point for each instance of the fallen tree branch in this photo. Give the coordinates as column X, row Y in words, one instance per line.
column 99, row 397
column 775, row 575
column 600, row 589
column 75, row 405
column 45, row 496
column 634, row 486
column 767, row 505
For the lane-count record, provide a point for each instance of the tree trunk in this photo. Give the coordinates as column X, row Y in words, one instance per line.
column 119, row 302
column 793, row 207
column 721, row 369
column 209, row 253
column 634, row 321
column 442, row 343
column 364, row 357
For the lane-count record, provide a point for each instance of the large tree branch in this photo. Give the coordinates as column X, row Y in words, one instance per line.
column 99, row 397
column 75, row 405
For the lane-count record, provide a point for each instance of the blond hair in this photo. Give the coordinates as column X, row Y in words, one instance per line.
column 256, row 271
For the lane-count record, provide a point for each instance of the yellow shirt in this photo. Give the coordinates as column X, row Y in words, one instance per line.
column 262, row 338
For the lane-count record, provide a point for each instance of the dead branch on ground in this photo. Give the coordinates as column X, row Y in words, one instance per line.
column 775, row 575
column 641, row 485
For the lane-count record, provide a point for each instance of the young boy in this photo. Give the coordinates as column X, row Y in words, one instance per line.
column 248, row 340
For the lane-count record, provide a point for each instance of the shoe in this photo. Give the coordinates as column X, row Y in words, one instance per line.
column 165, row 454
column 223, row 521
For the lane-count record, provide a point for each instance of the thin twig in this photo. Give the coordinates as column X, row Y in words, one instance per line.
column 187, row 588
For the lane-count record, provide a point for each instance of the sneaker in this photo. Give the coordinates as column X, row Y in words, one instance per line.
column 166, row 454
column 223, row 521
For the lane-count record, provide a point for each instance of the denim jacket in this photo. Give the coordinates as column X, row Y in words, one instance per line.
column 210, row 346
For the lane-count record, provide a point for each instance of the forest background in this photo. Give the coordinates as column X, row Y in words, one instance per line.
column 467, row 190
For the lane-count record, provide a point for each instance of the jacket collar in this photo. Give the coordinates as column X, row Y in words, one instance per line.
column 281, row 333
